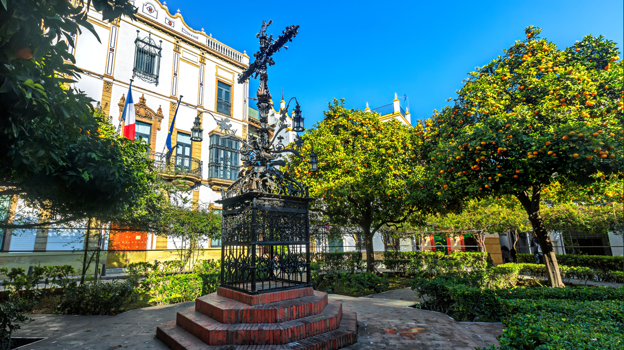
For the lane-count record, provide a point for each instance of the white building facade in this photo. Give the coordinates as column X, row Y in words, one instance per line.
column 168, row 60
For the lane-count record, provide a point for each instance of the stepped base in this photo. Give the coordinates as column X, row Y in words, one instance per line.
column 292, row 319
column 177, row 338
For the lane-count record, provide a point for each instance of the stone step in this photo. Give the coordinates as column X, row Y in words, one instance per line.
column 226, row 310
column 213, row 332
column 177, row 338
column 265, row 298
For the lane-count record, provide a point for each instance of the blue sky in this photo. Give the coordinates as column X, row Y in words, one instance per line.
column 368, row 50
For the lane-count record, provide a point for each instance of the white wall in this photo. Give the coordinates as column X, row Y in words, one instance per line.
column 616, row 244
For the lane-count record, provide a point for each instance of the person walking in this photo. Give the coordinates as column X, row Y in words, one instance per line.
column 537, row 249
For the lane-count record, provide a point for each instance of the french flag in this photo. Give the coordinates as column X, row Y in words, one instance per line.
column 129, row 116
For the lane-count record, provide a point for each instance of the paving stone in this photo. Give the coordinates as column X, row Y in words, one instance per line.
column 375, row 314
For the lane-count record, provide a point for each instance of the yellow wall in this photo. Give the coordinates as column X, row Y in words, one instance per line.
column 24, row 260
column 122, row 259
column 111, row 259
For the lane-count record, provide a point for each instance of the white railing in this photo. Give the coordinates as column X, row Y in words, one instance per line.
column 224, row 50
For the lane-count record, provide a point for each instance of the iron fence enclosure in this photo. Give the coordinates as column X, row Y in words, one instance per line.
column 265, row 243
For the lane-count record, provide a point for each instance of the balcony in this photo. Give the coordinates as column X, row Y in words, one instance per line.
column 183, row 168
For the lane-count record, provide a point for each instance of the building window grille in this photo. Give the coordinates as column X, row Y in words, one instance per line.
column 224, row 98
column 224, row 158
column 147, row 59
column 183, row 152
column 144, row 131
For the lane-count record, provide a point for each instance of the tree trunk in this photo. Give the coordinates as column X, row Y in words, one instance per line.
column 370, row 252
column 532, row 207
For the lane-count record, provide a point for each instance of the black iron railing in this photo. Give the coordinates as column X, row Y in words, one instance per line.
column 146, row 59
column 265, row 243
column 177, row 164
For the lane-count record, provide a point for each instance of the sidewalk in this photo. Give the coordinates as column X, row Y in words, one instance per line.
column 386, row 321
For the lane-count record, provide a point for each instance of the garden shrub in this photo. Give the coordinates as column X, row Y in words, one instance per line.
column 465, row 299
column 502, row 276
column 176, row 289
column 12, row 314
column 569, row 272
column 97, row 298
column 339, row 261
column 209, row 272
column 164, row 283
column 428, row 264
column 596, row 262
column 341, row 282
column 562, row 324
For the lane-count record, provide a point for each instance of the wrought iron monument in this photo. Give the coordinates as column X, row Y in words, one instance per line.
column 265, row 232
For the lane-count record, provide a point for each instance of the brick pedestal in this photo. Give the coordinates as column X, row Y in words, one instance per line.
column 229, row 320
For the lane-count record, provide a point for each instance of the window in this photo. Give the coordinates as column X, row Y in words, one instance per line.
column 146, row 59
column 183, row 151
column 224, row 158
column 224, row 98
column 144, row 131
column 215, row 243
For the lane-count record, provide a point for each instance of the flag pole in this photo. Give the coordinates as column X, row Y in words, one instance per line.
column 168, row 143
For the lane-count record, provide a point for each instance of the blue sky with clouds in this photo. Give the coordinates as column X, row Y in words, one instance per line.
column 368, row 50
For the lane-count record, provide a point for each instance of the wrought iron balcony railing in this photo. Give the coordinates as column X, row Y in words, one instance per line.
column 178, row 165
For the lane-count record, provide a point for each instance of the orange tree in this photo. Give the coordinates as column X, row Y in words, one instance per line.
column 367, row 172
column 535, row 115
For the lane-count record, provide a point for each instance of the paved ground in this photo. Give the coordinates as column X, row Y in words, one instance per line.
column 386, row 321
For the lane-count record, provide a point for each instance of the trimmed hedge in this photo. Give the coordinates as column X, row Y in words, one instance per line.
column 569, row 272
column 434, row 263
column 465, row 300
column 596, row 262
column 339, row 261
column 562, row 324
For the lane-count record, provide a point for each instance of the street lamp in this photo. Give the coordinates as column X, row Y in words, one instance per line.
column 196, row 131
column 313, row 161
column 298, row 120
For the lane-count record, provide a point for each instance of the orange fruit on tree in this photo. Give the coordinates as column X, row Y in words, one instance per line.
column 575, row 155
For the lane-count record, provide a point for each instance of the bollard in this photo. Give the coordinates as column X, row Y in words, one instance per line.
column 103, row 274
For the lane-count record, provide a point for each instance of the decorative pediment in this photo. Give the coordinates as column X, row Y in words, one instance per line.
column 143, row 112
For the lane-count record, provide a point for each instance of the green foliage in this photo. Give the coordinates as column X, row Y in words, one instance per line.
column 465, row 299
column 11, row 316
column 54, row 156
column 365, row 177
column 596, row 262
column 562, row 324
column 97, row 298
column 176, row 288
column 532, row 116
column 569, row 272
column 26, row 287
column 357, row 284
column 339, row 261
column 428, row 264
column 164, row 284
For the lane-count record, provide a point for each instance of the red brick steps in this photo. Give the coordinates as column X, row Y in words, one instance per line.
column 213, row 332
column 226, row 310
column 291, row 319
column 178, row 339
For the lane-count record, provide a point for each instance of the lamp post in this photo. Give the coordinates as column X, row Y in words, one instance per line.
column 298, row 120
column 265, row 232
column 196, row 131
